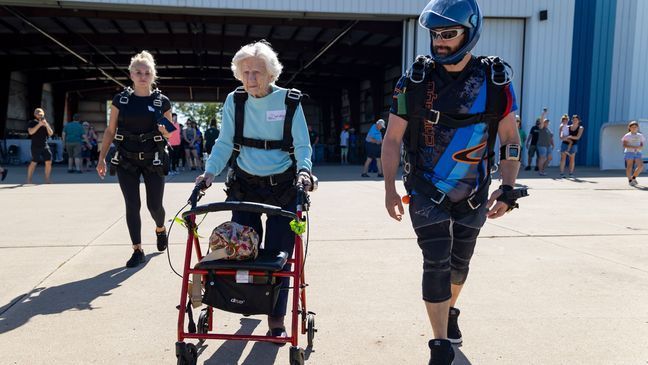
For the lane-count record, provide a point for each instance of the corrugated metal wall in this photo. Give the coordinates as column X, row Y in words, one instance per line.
column 623, row 61
column 639, row 86
column 591, row 74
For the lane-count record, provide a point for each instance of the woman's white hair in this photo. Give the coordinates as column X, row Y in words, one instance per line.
column 144, row 58
column 262, row 50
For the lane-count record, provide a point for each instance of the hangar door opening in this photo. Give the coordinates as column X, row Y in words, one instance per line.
column 504, row 37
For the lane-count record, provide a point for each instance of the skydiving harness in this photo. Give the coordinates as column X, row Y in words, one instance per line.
column 498, row 77
column 293, row 98
column 159, row 158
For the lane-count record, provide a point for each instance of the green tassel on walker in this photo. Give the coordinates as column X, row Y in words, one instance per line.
column 299, row 227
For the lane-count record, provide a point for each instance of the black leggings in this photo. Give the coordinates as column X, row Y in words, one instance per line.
column 129, row 183
column 447, row 249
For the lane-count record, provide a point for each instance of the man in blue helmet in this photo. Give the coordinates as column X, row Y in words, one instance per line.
column 448, row 110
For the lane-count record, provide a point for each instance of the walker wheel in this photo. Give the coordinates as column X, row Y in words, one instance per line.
column 203, row 321
column 310, row 328
column 296, row 356
column 187, row 353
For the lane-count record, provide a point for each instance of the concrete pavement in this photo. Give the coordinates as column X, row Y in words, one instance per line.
column 563, row 280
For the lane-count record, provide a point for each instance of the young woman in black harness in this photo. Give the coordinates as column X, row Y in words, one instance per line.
column 135, row 127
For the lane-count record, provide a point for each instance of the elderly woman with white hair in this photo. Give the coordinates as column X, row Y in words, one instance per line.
column 264, row 141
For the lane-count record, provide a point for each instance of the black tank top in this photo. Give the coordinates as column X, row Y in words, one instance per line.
column 138, row 117
column 574, row 133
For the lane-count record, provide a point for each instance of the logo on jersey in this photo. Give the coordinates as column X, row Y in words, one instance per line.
column 472, row 155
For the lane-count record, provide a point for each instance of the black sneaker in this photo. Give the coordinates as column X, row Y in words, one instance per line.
column 381, row 175
column 162, row 240
column 536, row 168
column 527, row 168
column 365, row 175
column 441, row 352
column 454, row 333
column 136, row 259
column 4, row 174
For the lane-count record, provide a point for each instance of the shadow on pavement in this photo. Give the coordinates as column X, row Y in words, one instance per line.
column 460, row 358
column 229, row 353
column 77, row 295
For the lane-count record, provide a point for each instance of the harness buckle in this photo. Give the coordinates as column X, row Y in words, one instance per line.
column 157, row 102
column 123, row 100
column 156, row 160
column 472, row 205
column 273, row 182
column 293, row 94
column 265, row 145
column 115, row 159
column 236, row 147
column 436, row 114
column 440, row 199
column 119, row 137
column 407, row 167
column 158, row 138
column 418, row 70
column 140, row 156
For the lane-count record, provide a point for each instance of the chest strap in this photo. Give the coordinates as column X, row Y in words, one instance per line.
column 456, row 120
column 121, row 136
column 293, row 98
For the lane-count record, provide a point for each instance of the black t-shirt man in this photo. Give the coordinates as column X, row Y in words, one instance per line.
column 38, row 139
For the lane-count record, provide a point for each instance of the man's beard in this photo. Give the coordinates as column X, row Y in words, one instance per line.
column 448, row 50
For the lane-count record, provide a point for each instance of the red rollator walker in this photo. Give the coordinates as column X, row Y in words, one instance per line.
column 246, row 287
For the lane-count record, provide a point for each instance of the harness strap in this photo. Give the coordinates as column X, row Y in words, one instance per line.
column 292, row 100
column 120, row 136
column 271, row 180
column 262, row 144
column 459, row 209
column 455, row 120
column 416, row 89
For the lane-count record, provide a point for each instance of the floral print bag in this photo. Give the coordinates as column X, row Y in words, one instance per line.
column 233, row 241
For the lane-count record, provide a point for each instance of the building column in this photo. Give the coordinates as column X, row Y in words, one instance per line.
column 5, row 79
column 34, row 97
column 59, row 96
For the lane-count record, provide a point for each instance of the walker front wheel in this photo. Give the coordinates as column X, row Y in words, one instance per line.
column 296, row 356
column 187, row 353
column 310, row 328
column 203, row 321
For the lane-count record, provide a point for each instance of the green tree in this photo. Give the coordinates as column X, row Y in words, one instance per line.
column 201, row 113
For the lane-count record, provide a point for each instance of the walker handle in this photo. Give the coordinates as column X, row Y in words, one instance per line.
column 197, row 194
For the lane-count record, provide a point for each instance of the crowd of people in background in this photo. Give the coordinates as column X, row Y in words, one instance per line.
column 539, row 143
column 189, row 147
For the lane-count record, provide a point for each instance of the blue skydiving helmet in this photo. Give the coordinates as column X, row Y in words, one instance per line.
column 450, row 13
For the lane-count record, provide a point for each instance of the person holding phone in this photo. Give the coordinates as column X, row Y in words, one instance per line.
column 39, row 130
column 137, row 127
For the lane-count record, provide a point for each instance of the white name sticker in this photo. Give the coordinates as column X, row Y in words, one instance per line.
column 275, row 115
column 151, row 108
column 242, row 276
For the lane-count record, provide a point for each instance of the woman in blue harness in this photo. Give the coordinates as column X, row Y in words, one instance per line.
column 267, row 154
column 141, row 150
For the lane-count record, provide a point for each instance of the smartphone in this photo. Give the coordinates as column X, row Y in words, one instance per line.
column 167, row 124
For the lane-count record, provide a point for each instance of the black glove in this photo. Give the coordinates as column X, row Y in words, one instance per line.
column 510, row 196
